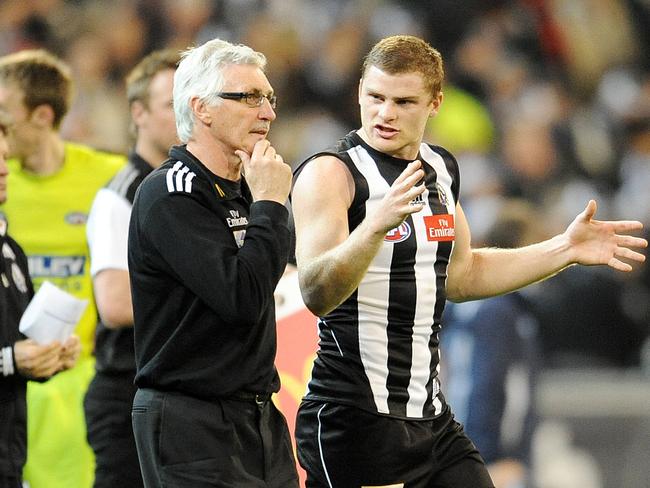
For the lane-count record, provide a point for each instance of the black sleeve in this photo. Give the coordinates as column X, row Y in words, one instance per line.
column 200, row 251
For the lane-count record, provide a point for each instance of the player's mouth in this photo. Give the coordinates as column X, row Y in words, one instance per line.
column 385, row 132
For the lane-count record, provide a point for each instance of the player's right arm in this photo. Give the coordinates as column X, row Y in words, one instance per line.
column 331, row 261
column 113, row 297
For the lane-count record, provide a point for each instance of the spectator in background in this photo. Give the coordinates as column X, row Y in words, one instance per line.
column 21, row 359
column 491, row 361
column 207, row 248
column 110, row 394
column 54, row 183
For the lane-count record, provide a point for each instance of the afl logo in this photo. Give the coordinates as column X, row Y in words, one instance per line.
column 398, row 234
column 76, row 218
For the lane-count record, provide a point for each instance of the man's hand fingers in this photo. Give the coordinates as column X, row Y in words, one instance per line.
column 260, row 148
column 632, row 241
column 590, row 210
column 626, row 253
column 625, row 225
column 410, row 169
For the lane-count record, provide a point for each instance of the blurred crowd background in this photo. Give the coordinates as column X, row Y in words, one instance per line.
column 546, row 101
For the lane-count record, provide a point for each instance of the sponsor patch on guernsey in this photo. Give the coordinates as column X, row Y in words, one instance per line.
column 440, row 227
column 76, row 218
column 398, row 234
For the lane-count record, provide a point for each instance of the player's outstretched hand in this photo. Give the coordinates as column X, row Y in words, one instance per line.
column 604, row 242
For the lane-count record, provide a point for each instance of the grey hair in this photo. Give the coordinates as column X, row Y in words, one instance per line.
column 200, row 74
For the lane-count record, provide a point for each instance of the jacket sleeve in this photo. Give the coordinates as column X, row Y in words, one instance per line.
column 199, row 250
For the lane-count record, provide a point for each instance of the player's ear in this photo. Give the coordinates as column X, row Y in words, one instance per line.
column 437, row 102
column 43, row 115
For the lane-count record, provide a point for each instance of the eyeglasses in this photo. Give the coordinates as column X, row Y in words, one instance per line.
column 252, row 99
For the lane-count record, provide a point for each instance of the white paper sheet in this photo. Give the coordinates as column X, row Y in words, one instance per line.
column 52, row 314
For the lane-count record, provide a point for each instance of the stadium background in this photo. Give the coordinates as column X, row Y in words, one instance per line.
column 545, row 100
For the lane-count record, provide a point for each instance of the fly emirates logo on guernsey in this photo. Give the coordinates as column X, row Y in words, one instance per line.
column 440, row 227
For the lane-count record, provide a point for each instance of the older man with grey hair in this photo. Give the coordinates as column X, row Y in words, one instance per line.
column 206, row 249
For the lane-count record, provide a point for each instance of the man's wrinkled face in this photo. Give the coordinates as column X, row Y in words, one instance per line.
column 235, row 124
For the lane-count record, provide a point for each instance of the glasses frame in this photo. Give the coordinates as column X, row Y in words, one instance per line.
column 252, row 99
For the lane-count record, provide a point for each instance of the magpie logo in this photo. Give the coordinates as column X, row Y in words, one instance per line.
column 179, row 178
column 442, row 196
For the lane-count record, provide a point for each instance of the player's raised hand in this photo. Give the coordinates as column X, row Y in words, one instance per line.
column 401, row 200
column 604, row 242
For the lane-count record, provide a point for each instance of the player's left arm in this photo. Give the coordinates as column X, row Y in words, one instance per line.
column 480, row 273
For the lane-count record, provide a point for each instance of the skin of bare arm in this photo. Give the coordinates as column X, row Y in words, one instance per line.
column 332, row 261
column 480, row 273
column 113, row 298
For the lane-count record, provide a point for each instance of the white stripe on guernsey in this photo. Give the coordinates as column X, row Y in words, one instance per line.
column 425, row 279
column 444, row 178
column 434, row 160
column 437, row 406
column 117, row 182
column 128, row 179
column 373, row 313
column 320, row 447
column 170, row 176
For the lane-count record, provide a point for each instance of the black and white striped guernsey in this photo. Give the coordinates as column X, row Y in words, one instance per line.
column 114, row 351
column 379, row 349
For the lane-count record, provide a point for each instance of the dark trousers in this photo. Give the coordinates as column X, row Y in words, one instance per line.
column 341, row 446
column 8, row 481
column 185, row 442
column 107, row 407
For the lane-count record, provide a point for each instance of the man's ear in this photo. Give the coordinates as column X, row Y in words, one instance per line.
column 43, row 116
column 359, row 91
column 200, row 110
column 137, row 110
column 437, row 101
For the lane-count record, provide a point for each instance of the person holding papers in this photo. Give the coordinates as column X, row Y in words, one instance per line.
column 20, row 359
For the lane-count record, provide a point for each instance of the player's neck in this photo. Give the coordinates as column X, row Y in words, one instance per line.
column 47, row 157
column 150, row 153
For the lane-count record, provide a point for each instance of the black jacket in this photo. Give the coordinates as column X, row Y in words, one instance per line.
column 15, row 293
column 202, row 293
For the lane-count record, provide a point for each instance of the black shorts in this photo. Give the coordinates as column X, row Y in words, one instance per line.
column 344, row 447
